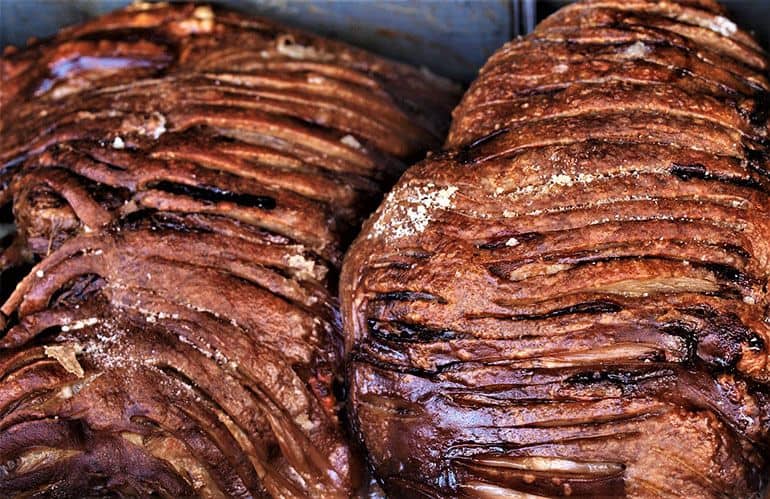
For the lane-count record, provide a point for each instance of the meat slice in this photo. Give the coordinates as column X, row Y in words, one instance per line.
column 184, row 181
column 572, row 299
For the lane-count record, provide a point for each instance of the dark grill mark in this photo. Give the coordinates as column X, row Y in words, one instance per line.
column 591, row 307
column 130, row 35
column 156, row 221
column 728, row 273
column 622, row 378
column 408, row 296
column 757, row 162
column 465, row 154
column 734, row 248
column 216, row 195
column 408, row 333
column 760, row 114
column 686, row 172
column 697, row 170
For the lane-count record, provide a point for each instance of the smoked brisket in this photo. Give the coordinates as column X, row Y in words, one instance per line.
column 572, row 299
column 184, row 182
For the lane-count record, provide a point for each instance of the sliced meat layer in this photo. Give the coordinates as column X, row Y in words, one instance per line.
column 572, row 299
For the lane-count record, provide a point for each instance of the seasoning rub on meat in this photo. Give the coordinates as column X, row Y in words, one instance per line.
column 572, row 300
column 185, row 180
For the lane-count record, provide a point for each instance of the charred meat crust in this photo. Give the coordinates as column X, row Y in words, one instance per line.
column 184, row 180
column 572, row 299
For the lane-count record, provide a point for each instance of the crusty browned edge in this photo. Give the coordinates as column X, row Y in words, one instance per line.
column 184, row 180
column 573, row 300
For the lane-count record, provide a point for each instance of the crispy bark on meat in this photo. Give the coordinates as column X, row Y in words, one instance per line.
column 572, row 300
column 184, row 181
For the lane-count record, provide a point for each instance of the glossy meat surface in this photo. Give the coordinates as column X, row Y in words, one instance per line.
column 184, row 180
column 572, row 299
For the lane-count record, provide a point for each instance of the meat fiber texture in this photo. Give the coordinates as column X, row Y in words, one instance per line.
column 572, row 299
column 184, row 181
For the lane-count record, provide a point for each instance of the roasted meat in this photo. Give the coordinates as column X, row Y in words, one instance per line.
column 572, row 298
column 184, row 181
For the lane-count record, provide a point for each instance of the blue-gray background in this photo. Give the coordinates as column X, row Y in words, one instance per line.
column 451, row 37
